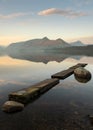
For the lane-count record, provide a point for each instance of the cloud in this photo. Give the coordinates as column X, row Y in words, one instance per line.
column 13, row 15
column 66, row 13
column 5, row 82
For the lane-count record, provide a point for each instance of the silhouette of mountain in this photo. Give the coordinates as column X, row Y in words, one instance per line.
column 45, row 50
column 30, row 48
column 2, row 50
column 40, row 43
column 77, row 50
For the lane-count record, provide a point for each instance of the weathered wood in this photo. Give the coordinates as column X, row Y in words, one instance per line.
column 66, row 73
column 28, row 94
column 78, row 65
column 63, row 74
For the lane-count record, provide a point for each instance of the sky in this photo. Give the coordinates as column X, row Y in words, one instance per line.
column 22, row 20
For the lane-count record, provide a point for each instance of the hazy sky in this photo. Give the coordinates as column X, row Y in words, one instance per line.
column 28, row 19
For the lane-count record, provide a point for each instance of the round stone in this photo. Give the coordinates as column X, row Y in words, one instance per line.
column 82, row 75
column 12, row 106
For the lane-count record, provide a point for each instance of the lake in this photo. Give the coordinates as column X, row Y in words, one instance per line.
column 64, row 107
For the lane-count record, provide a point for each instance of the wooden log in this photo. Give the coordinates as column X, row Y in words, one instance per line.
column 78, row 65
column 66, row 73
column 26, row 95
column 63, row 74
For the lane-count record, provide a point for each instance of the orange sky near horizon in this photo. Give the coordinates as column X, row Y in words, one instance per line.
column 8, row 40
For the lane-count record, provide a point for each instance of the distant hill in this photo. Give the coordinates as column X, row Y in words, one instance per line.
column 37, row 49
column 35, row 46
column 77, row 43
column 44, row 42
column 46, row 46
column 2, row 50
column 47, row 50
column 77, row 50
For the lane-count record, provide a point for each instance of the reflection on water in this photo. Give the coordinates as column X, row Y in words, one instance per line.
column 66, row 106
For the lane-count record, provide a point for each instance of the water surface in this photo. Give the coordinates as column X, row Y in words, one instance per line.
column 66, row 106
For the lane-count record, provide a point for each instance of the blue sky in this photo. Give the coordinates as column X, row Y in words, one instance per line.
column 27, row 19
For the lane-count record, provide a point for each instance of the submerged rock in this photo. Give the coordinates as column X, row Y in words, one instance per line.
column 12, row 106
column 82, row 75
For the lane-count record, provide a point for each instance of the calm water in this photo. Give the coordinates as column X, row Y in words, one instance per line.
column 64, row 107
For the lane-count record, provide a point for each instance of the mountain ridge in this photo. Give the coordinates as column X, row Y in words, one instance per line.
column 43, row 42
column 77, row 43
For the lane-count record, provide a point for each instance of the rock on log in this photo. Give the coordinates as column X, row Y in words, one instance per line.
column 66, row 73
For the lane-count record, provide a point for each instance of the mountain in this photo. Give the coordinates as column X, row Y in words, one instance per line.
column 76, row 50
column 1, row 47
column 36, row 49
column 47, row 50
column 44, row 42
column 36, row 46
column 77, row 43
column 2, row 50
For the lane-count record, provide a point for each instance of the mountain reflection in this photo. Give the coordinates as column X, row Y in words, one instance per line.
column 40, row 57
column 45, row 55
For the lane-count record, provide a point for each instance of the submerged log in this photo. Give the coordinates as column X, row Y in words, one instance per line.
column 66, row 73
column 28, row 94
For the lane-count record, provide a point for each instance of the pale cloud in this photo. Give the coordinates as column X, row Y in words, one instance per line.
column 13, row 15
column 66, row 13
column 5, row 82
